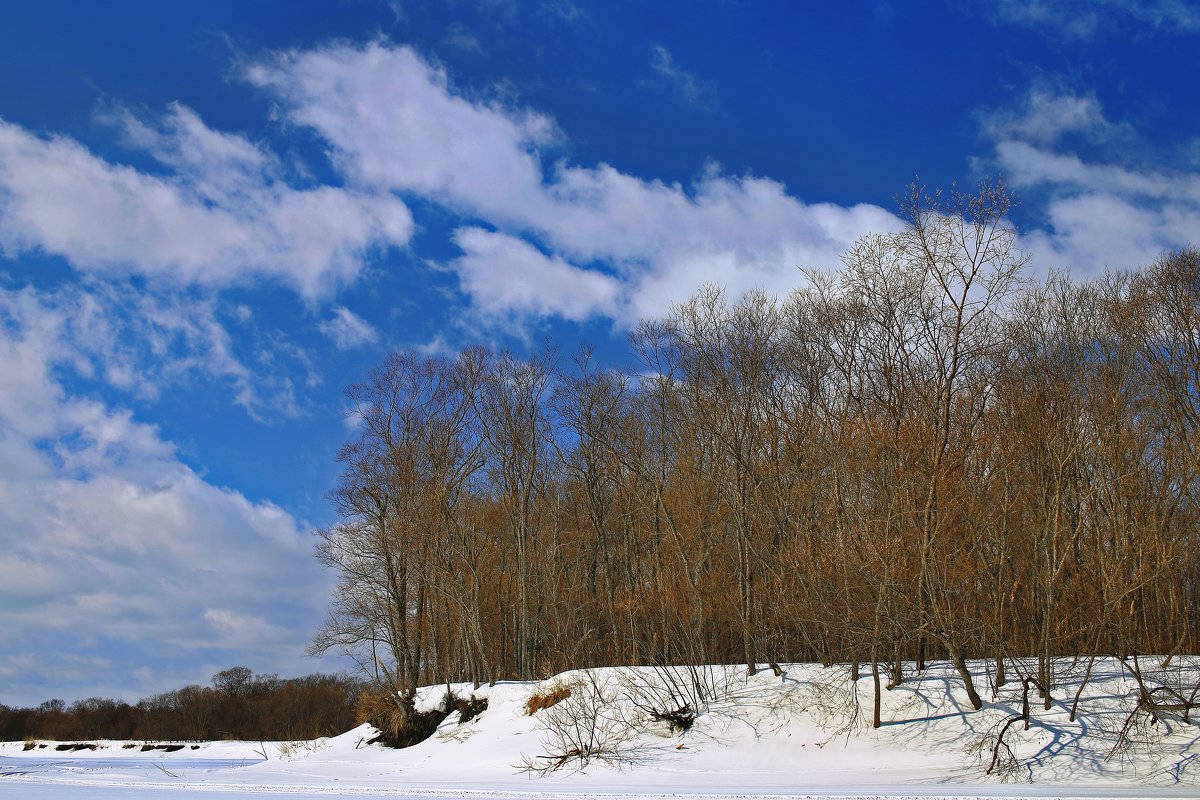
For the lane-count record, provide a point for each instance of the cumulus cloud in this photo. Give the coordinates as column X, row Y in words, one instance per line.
column 393, row 122
column 220, row 214
column 507, row 276
column 665, row 240
column 108, row 539
column 630, row 246
column 1098, row 211
column 347, row 330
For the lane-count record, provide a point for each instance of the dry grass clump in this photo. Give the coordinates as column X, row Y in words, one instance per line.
column 546, row 698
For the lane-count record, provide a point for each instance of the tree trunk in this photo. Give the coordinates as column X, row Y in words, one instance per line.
column 875, row 715
column 960, row 664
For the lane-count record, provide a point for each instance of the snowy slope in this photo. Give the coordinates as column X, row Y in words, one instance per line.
column 794, row 734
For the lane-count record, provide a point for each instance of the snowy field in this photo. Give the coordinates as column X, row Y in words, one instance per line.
column 795, row 735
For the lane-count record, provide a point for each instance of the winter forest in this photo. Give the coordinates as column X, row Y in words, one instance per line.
column 937, row 451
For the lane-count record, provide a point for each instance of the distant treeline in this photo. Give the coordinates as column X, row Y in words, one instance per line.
column 929, row 453
column 239, row 705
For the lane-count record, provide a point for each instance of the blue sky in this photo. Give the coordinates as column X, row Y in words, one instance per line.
column 215, row 216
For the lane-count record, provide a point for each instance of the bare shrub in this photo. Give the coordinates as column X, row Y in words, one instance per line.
column 1163, row 694
column 676, row 695
column 995, row 748
column 830, row 699
column 584, row 725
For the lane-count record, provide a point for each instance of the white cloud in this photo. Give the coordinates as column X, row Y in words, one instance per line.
column 393, row 122
column 1098, row 213
column 220, row 216
column 1033, row 166
column 665, row 240
column 139, row 342
column 107, row 539
column 460, row 37
column 1089, row 230
column 1046, row 115
column 683, row 81
column 211, row 163
column 506, row 276
column 240, row 630
column 347, row 330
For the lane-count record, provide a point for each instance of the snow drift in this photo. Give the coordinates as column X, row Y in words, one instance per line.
column 804, row 731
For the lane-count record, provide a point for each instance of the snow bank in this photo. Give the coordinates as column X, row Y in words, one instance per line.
column 803, row 732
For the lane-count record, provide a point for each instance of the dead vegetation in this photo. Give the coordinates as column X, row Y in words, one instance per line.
column 1163, row 695
column 585, row 724
column 399, row 723
column 469, row 708
column 546, row 698
column 676, row 695
column 395, row 716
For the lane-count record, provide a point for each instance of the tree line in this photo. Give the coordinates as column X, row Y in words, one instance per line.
column 927, row 453
column 239, row 705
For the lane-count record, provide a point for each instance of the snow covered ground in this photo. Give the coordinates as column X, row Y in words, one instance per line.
column 764, row 736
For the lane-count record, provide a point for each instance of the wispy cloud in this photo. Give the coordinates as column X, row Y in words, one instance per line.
column 1045, row 115
column 236, row 630
column 347, row 330
column 1084, row 18
column 460, row 37
column 142, row 342
column 1099, row 210
column 566, row 10
column 687, row 84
